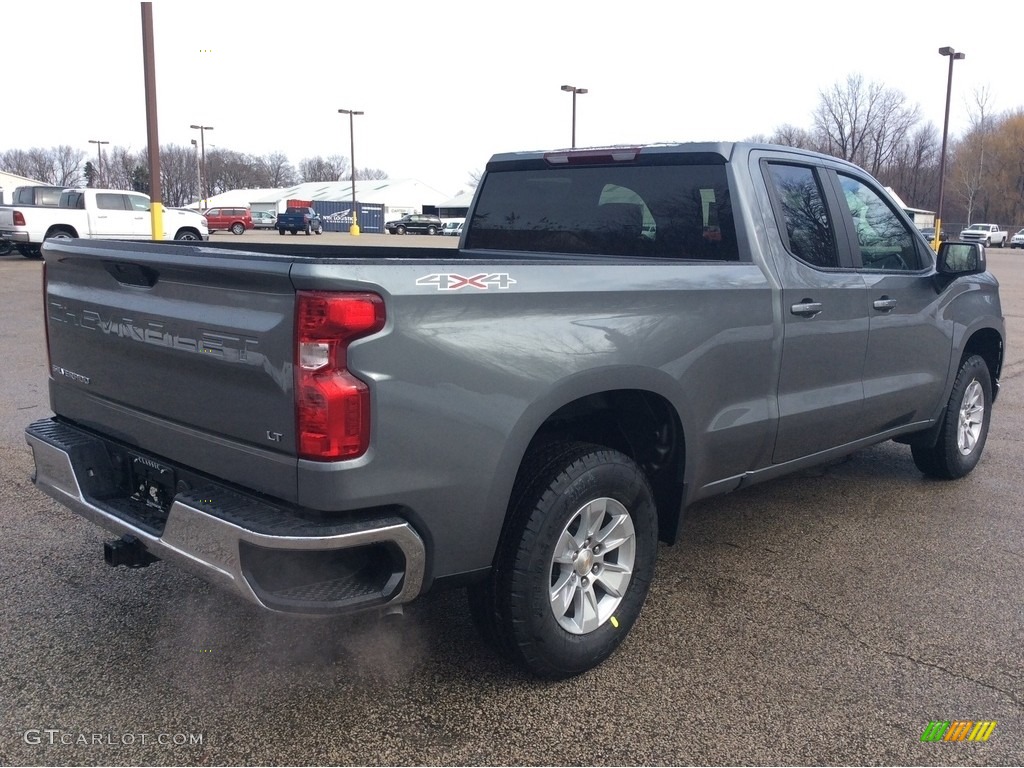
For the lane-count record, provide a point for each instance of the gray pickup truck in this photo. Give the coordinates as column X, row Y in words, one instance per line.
column 622, row 332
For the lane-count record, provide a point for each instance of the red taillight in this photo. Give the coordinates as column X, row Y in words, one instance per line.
column 332, row 406
column 19, row 219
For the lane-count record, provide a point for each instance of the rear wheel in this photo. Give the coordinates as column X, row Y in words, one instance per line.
column 573, row 568
column 238, row 228
column 6, row 246
column 28, row 251
column 431, row 230
column 964, row 425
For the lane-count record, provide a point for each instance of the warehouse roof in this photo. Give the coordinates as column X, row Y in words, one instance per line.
column 389, row 192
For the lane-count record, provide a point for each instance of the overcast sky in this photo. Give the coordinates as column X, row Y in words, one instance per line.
column 445, row 85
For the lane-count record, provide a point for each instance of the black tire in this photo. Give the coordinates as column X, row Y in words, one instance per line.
column 6, row 246
column 29, row 251
column 964, row 430
column 309, row 230
column 556, row 602
column 238, row 228
column 188, row 234
column 399, row 230
column 431, row 230
column 319, row 229
column 280, row 232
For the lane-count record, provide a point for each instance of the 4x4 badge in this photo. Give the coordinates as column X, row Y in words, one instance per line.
column 449, row 281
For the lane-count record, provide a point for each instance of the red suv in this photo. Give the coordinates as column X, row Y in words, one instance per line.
column 236, row 219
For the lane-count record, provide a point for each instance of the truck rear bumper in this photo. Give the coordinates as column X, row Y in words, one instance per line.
column 14, row 237
column 271, row 555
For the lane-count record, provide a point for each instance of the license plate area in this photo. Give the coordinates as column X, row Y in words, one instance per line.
column 152, row 483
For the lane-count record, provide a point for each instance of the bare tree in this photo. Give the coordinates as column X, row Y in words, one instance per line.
column 67, row 166
column 333, row 168
column 121, row 168
column 913, row 167
column 17, row 161
column 277, row 171
column 864, row 123
column 370, row 173
column 792, row 136
column 969, row 161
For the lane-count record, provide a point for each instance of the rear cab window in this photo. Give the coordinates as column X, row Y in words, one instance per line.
column 680, row 209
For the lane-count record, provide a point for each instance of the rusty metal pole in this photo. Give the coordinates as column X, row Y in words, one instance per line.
column 152, row 138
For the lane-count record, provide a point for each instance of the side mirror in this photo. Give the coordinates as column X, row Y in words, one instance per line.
column 956, row 259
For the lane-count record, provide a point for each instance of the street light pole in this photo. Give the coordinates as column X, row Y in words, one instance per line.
column 953, row 56
column 99, row 155
column 573, row 90
column 354, row 229
column 202, row 149
column 199, row 176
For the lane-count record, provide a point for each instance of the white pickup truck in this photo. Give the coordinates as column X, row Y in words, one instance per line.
column 110, row 214
column 987, row 234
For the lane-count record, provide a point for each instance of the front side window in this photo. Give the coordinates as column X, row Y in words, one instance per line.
column 804, row 215
column 647, row 211
column 885, row 242
column 138, row 202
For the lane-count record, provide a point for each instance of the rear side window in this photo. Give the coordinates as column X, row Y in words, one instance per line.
column 803, row 214
column 649, row 211
column 108, row 201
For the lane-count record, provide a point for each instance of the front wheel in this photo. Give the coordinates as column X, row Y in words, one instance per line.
column 399, row 230
column 573, row 568
column 319, row 229
column 964, row 425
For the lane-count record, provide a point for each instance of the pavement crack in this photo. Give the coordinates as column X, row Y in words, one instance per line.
column 895, row 654
column 933, row 665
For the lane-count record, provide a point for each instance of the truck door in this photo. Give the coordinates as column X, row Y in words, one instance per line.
column 141, row 223
column 825, row 322
column 908, row 350
column 111, row 216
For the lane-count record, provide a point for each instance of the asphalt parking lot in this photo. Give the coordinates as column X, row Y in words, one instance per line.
column 825, row 618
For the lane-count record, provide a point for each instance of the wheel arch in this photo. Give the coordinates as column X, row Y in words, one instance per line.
column 987, row 343
column 61, row 228
column 631, row 413
column 188, row 230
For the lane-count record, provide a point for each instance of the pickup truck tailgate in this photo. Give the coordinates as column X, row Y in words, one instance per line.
column 140, row 332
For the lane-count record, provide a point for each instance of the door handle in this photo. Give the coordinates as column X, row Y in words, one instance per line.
column 806, row 308
column 885, row 304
